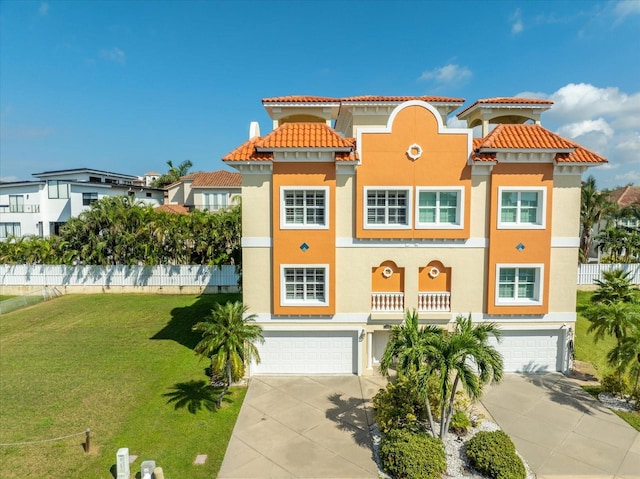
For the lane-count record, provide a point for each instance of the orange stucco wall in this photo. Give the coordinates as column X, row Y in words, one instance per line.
column 385, row 163
column 286, row 242
column 503, row 242
column 442, row 282
column 392, row 284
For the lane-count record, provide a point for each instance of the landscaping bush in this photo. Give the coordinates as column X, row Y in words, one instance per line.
column 460, row 423
column 412, row 455
column 398, row 405
column 615, row 384
column 493, row 454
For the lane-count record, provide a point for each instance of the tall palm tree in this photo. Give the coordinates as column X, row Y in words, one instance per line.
column 610, row 319
column 408, row 347
column 174, row 174
column 228, row 339
column 593, row 208
column 626, row 355
column 464, row 358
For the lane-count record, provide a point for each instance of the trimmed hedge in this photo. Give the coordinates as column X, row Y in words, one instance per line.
column 406, row 454
column 494, row 454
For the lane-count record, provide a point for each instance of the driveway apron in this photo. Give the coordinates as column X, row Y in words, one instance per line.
column 561, row 431
column 304, row 427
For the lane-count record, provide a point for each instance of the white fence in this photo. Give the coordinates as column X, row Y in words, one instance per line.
column 588, row 273
column 118, row 276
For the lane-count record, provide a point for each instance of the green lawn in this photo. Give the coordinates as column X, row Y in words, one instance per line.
column 5, row 296
column 122, row 365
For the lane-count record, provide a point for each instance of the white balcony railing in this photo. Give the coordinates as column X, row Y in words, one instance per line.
column 387, row 302
column 435, row 301
column 20, row 208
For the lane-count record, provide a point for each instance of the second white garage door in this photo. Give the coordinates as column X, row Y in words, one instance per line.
column 530, row 351
column 308, row 352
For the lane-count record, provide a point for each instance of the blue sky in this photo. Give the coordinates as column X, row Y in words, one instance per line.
column 125, row 86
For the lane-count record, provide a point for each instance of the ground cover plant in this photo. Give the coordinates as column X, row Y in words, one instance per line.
column 122, row 365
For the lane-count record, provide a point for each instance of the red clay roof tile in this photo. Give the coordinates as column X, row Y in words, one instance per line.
column 174, row 209
column 247, row 152
column 220, row 178
column 377, row 98
column 526, row 137
column 300, row 99
column 303, row 135
column 626, row 195
column 507, row 101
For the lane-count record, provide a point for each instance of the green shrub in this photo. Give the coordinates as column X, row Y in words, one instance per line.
column 460, row 423
column 398, row 405
column 493, row 454
column 412, row 455
column 615, row 384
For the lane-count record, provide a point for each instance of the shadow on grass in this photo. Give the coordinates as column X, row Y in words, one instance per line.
column 178, row 328
column 349, row 414
column 195, row 396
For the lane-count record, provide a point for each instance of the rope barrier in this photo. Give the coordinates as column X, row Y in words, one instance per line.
column 46, row 440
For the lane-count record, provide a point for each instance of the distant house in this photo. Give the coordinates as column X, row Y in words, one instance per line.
column 625, row 197
column 42, row 206
column 205, row 191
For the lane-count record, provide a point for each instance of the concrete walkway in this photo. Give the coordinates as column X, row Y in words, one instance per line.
column 561, row 431
column 304, row 427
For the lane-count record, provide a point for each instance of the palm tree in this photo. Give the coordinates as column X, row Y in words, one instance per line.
column 626, row 354
column 610, row 319
column 228, row 339
column 593, row 208
column 615, row 286
column 464, row 358
column 174, row 174
column 408, row 347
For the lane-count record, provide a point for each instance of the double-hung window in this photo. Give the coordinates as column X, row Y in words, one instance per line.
column 439, row 208
column 521, row 208
column 304, row 285
column 387, row 208
column 304, row 208
column 9, row 229
column 89, row 198
column 519, row 284
column 16, row 204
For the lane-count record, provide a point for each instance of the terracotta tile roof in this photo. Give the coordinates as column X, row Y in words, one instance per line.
column 626, row 195
column 524, row 137
column 531, row 137
column 303, row 135
column 174, row 209
column 580, row 155
column 375, row 98
column 300, row 99
column 247, row 152
column 220, row 178
column 508, row 101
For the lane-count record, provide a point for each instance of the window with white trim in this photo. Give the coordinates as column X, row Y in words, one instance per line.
column 10, row 229
column 58, row 189
column 521, row 208
column 304, row 208
column 89, row 198
column 387, row 208
column 304, row 285
column 439, row 208
column 16, row 204
column 519, row 285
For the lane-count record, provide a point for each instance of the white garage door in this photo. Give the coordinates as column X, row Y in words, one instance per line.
column 530, row 351
column 309, row 352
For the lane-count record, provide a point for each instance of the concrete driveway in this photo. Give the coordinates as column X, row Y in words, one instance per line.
column 561, row 431
column 304, row 427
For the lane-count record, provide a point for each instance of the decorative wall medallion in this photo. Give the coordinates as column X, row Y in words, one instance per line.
column 414, row 151
column 520, row 247
column 434, row 272
column 387, row 272
column 304, row 247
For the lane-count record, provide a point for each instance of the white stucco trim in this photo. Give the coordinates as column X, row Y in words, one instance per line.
column 522, row 322
column 346, row 242
column 256, row 242
column 304, row 323
column 565, row 242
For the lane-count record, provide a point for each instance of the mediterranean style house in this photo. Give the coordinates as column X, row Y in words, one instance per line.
column 207, row 191
column 358, row 209
column 42, row 206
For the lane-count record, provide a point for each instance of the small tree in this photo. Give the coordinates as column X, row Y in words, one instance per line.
column 615, row 286
column 228, row 339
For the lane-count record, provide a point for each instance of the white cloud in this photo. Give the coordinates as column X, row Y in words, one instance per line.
column 628, row 177
column 627, row 7
column 574, row 130
column 8, row 179
column 450, row 73
column 516, row 22
column 114, row 55
column 43, row 9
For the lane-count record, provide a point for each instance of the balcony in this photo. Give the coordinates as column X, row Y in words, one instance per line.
column 433, row 302
column 387, row 302
column 20, row 208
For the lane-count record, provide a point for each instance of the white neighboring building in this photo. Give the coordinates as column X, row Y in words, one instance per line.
column 40, row 207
